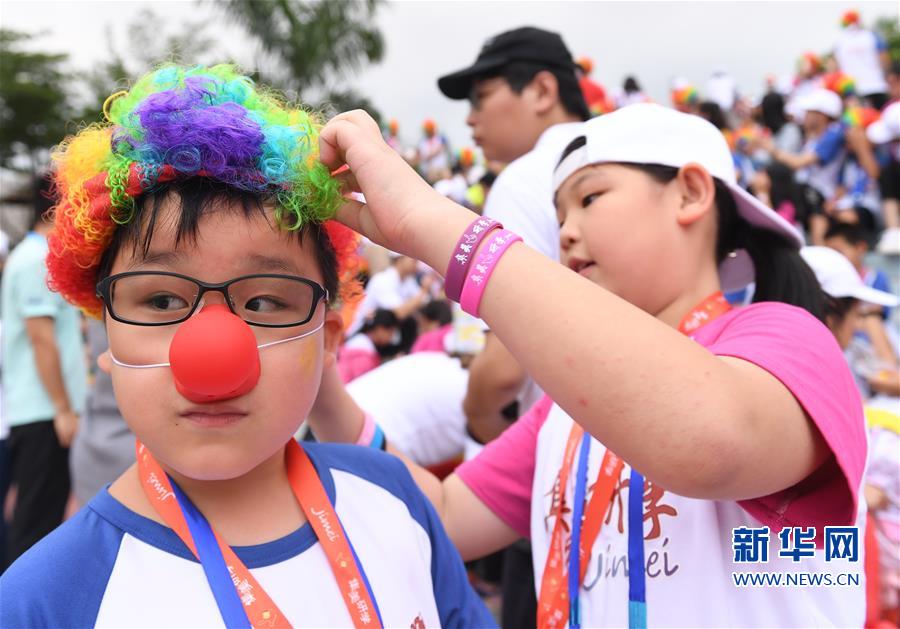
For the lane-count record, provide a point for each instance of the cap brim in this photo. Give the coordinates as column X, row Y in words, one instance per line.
column 878, row 133
column 459, row 84
column 875, row 296
column 737, row 271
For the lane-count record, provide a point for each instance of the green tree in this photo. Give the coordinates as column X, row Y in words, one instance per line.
column 34, row 102
column 308, row 49
column 888, row 29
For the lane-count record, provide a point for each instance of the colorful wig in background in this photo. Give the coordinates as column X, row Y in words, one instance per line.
column 850, row 17
column 685, row 96
column 586, row 64
column 466, row 157
column 860, row 116
column 173, row 124
column 809, row 64
column 840, row 83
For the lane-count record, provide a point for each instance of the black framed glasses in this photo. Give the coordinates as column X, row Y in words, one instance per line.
column 162, row 298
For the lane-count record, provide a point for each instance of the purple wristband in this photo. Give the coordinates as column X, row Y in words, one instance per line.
column 464, row 252
column 481, row 271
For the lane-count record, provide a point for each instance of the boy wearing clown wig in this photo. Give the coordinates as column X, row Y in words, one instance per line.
column 196, row 224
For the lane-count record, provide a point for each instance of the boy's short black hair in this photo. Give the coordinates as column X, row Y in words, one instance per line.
column 381, row 318
column 851, row 232
column 437, row 310
column 197, row 197
column 518, row 74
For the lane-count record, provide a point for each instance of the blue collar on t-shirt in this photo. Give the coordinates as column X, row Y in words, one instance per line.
column 163, row 538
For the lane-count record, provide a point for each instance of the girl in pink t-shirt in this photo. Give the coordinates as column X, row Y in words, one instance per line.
column 741, row 427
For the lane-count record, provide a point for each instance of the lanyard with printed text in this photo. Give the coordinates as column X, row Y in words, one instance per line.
column 241, row 599
column 558, row 603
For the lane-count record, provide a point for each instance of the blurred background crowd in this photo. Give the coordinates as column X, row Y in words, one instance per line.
column 819, row 144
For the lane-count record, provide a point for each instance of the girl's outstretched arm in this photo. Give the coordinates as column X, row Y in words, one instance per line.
column 694, row 423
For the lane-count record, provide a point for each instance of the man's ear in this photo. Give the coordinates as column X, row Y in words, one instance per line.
column 698, row 194
column 104, row 362
column 544, row 92
column 334, row 335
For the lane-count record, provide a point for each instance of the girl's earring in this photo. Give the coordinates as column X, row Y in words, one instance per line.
column 733, row 254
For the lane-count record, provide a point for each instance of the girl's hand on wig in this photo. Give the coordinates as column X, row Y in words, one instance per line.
column 400, row 210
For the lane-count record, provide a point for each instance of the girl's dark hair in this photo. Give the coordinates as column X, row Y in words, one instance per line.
column 198, row 196
column 631, row 85
column 780, row 273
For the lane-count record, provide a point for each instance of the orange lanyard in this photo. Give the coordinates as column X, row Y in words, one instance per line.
column 260, row 609
column 713, row 306
column 553, row 603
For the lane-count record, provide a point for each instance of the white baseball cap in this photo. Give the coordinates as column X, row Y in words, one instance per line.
column 647, row 133
column 821, row 100
column 838, row 278
column 887, row 128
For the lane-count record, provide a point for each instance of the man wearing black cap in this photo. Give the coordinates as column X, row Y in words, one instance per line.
column 525, row 105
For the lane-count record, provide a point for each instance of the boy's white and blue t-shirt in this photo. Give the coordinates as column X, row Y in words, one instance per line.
column 110, row 567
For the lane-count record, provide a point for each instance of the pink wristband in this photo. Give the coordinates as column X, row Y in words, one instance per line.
column 481, row 271
column 464, row 252
column 368, row 431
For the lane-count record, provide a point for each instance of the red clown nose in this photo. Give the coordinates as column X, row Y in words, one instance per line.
column 214, row 356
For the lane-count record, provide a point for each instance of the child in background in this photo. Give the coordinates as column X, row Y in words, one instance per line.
column 199, row 209
column 361, row 353
column 698, row 421
column 435, row 323
column 874, row 347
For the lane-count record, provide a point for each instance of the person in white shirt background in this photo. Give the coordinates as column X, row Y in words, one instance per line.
column 863, row 54
column 396, row 288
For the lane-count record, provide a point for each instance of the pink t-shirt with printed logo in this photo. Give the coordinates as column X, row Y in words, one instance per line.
column 688, row 542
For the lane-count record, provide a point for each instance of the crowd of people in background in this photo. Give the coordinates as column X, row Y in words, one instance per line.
column 822, row 149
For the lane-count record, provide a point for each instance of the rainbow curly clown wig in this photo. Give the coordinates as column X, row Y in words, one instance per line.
column 180, row 123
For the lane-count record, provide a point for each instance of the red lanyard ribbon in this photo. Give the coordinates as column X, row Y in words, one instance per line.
column 713, row 306
column 310, row 493
column 553, row 602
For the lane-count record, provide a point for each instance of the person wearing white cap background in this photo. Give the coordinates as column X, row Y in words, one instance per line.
column 875, row 340
column 752, row 421
column 842, row 283
column 819, row 162
column 847, row 295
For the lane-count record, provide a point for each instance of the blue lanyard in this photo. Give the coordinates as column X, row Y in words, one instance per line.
column 213, row 563
column 575, row 542
column 637, row 598
column 217, row 575
column 637, row 586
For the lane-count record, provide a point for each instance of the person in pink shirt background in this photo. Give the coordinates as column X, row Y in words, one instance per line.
column 435, row 323
column 360, row 353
